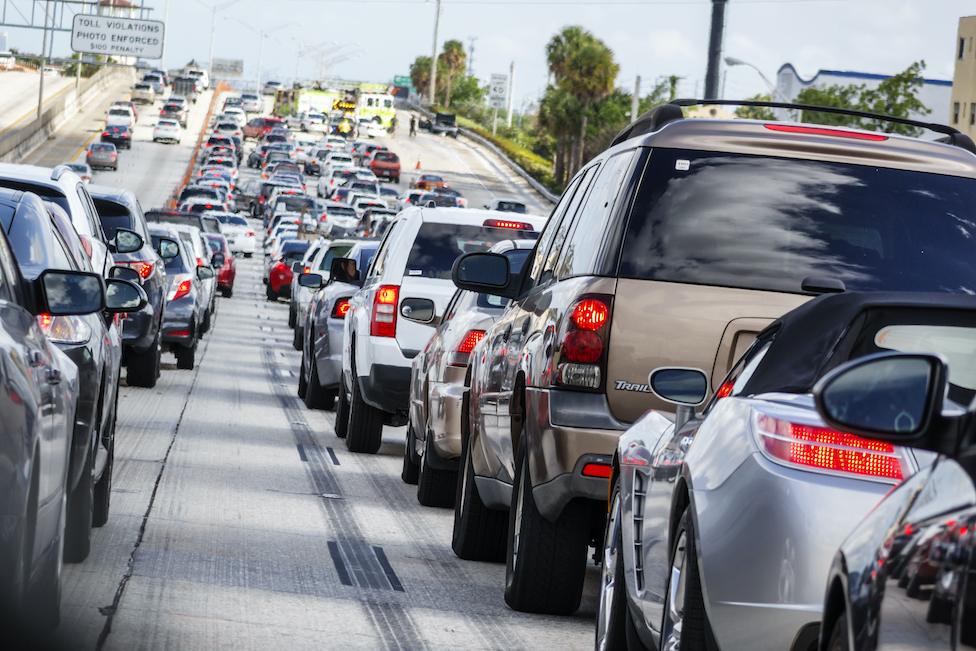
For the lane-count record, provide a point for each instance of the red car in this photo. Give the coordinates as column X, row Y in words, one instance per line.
column 386, row 164
column 228, row 271
column 429, row 182
column 280, row 273
column 258, row 128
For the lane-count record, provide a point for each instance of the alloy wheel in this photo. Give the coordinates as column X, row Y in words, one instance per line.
column 674, row 612
column 608, row 575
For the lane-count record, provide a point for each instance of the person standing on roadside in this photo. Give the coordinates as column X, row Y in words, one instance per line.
column 413, row 126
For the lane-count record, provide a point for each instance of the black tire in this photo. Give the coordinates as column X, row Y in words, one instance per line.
column 615, row 636
column 547, row 574
column 78, row 520
column 142, row 368
column 315, row 396
column 342, row 413
column 292, row 314
column 207, row 321
column 838, row 640
column 434, row 487
column 302, row 382
column 365, row 430
column 227, row 292
column 103, row 487
column 410, row 472
column 479, row 532
column 694, row 620
column 270, row 293
column 186, row 357
column 297, row 338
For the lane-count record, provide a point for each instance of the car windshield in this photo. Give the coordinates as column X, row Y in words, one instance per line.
column 437, row 246
column 868, row 227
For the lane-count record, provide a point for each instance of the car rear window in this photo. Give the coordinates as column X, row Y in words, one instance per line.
column 437, row 246
column 769, row 223
column 386, row 157
column 233, row 219
column 113, row 216
column 511, row 206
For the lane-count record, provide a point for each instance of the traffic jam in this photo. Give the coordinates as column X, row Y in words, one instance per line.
column 359, row 381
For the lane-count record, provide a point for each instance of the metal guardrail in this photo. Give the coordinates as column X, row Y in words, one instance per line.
column 540, row 189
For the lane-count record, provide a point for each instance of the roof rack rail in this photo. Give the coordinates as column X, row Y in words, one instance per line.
column 58, row 170
column 661, row 115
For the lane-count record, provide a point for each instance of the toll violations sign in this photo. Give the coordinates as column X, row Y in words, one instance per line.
column 119, row 36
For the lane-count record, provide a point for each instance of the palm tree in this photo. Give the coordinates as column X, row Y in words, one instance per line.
column 590, row 76
column 420, row 74
column 454, row 60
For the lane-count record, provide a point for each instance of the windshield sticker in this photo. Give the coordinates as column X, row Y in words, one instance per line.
column 415, row 272
column 682, row 164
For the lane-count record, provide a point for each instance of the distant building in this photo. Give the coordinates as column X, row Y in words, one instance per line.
column 962, row 111
column 935, row 94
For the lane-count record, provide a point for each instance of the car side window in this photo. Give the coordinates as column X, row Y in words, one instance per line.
column 139, row 223
column 548, row 269
column 379, row 262
column 579, row 255
column 93, row 222
column 545, row 239
column 7, row 272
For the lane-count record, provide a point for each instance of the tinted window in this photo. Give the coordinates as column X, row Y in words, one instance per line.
column 549, row 231
column 511, row 206
column 437, row 246
column 339, row 251
column 386, row 156
column 766, row 223
column 31, row 236
column 516, row 260
column 580, row 253
column 548, row 270
column 112, row 222
column 232, row 219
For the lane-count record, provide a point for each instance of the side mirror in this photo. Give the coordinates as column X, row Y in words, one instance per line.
column 168, row 248
column 312, row 281
column 420, row 310
column 296, row 267
column 205, row 272
column 485, row 273
column 125, row 241
column 61, row 293
column 124, row 296
column 124, row 273
column 217, row 260
column 895, row 397
column 343, row 270
column 685, row 387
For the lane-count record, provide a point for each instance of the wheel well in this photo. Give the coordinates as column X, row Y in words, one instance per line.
column 833, row 609
column 680, row 503
column 517, row 410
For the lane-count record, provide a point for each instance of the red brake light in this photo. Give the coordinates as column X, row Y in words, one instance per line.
column 824, row 131
column 601, row 470
column 45, row 320
column 383, row 320
column 249, row 233
column 200, row 262
column 725, row 390
column 462, row 355
column 582, row 346
column 105, row 133
column 820, row 448
column 341, row 308
column 590, row 314
column 182, row 289
column 144, row 269
column 504, row 223
column 306, row 269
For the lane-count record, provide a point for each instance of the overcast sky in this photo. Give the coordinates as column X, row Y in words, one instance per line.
column 376, row 39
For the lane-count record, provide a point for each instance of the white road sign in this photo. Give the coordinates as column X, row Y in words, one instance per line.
column 119, row 36
column 498, row 91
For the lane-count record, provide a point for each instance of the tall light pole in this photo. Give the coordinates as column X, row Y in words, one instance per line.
column 433, row 55
column 715, row 36
column 261, row 36
column 213, row 29
column 43, row 62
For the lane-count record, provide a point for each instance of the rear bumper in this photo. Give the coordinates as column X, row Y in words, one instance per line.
column 138, row 329
column 178, row 316
column 387, row 388
column 558, row 451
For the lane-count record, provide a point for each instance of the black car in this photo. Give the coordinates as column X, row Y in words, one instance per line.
column 42, row 238
column 206, row 223
column 141, row 329
column 118, row 135
column 443, row 124
column 905, row 575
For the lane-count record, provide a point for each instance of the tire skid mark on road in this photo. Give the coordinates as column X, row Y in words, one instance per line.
column 111, row 610
column 352, row 556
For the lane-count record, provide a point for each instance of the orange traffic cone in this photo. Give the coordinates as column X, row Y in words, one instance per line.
column 417, row 166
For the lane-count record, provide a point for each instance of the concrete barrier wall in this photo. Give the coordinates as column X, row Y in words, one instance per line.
column 19, row 142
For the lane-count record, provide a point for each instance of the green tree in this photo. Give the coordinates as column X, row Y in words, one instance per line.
column 420, row 74
column 451, row 62
column 756, row 112
column 896, row 96
column 467, row 91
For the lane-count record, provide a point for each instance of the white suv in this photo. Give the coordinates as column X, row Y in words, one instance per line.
column 392, row 317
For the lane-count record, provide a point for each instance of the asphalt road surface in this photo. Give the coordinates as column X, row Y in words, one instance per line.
column 240, row 521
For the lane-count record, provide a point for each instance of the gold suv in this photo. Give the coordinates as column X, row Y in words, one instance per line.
column 673, row 248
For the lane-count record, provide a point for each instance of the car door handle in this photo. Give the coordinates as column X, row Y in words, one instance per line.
column 35, row 358
column 53, row 375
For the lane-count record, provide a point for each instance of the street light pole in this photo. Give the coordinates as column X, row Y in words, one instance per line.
column 432, row 92
column 773, row 90
column 213, row 30
column 43, row 62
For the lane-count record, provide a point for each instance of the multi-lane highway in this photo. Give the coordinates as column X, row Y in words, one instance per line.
column 240, row 521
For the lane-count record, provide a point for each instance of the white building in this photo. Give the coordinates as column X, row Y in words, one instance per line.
column 935, row 94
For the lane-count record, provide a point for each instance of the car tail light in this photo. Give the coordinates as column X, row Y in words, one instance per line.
column 583, row 343
column 384, row 318
column 105, row 134
column 462, row 355
column 814, row 447
column 144, row 269
column 64, row 329
column 178, row 333
column 201, row 263
column 507, row 223
column 601, row 470
column 341, row 308
column 725, row 390
column 181, row 287
column 306, row 269
column 823, row 131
